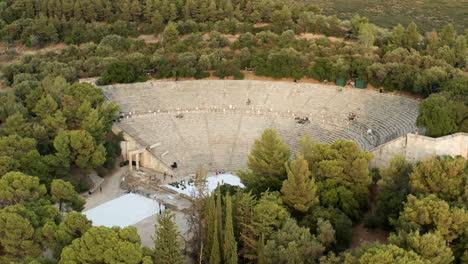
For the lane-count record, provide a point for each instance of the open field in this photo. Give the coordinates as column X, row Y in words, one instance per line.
column 428, row 14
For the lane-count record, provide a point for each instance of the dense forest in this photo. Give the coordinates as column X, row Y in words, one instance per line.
column 303, row 210
column 292, row 211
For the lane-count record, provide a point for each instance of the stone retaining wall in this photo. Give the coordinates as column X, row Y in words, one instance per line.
column 415, row 147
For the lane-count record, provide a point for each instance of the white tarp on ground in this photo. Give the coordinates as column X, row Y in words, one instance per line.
column 212, row 183
column 123, row 211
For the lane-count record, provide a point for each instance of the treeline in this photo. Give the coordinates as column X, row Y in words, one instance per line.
column 38, row 22
column 303, row 210
column 50, row 127
column 402, row 60
column 34, row 230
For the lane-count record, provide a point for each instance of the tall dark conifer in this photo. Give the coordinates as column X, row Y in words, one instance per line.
column 230, row 244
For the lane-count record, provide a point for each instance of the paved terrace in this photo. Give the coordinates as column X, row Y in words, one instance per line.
column 218, row 127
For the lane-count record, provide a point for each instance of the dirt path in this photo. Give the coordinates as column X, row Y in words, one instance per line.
column 110, row 189
column 361, row 234
column 22, row 50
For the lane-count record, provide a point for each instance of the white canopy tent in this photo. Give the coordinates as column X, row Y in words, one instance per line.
column 124, row 211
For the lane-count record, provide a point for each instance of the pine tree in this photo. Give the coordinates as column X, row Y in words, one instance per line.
column 210, row 219
column 125, row 10
column 366, row 35
column 107, row 9
column 135, row 10
column 230, row 244
column 45, row 107
column 42, row 7
column 99, row 6
column 157, row 20
column 166, row 244
column 57, row 8
column 266, row 163
column 412, row 35
column 89, row 10
column 165, row 10
column 448, row 35
column 299, row 190
column 433, row 42
column 228, row 9
column 78, row 11
column 170, row 34
column 149, row 10
column 398, row 35
column 173, row 12
column 212, row 13
column 460, row 49
column 67, row 8
column 215, row 257
column 187, row 9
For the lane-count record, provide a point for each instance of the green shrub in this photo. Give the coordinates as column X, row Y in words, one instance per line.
column 102, row 172
column 82, row 186
column 322, row 70
column 119, row 72
column 339, row 220
column 238, row 76
column 201, row 75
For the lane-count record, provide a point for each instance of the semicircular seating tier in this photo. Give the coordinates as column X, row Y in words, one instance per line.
column 214, row 123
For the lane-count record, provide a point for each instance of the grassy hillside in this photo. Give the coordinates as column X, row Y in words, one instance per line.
column 428, row 14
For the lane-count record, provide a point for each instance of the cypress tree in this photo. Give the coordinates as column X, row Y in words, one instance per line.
column 245, row 218
column 166, row 243
column 261, row 250
column 230, row 244
column 215, row 257
column 219, row 215
column 209, row 226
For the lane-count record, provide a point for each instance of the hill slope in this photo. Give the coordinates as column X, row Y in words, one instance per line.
column 428, row 14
